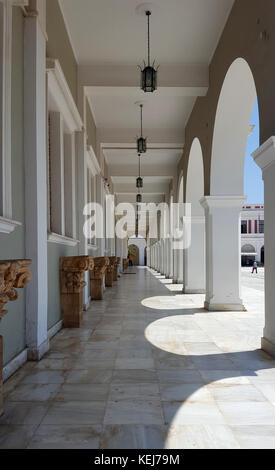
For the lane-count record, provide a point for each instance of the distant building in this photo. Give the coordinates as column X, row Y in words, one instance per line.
column 252, row 234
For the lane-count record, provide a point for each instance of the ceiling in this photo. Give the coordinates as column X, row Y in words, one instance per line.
column 110, row 31
column 109, row 39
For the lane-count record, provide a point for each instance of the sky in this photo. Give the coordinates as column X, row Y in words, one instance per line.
column 253, row 184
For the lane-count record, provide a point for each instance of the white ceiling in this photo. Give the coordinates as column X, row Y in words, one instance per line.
column 110, row 31
column 159, row 112
column 109, row 40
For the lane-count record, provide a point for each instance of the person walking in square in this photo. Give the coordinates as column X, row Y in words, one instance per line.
column 255, row 267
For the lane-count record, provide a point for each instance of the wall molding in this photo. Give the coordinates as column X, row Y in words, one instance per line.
column 55, row 329
column 62, row 240
column 14, row 365
column 8, row 226
column 61, row 94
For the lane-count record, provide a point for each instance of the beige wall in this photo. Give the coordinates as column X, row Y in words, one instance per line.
column 59, row 46
column 240, row 39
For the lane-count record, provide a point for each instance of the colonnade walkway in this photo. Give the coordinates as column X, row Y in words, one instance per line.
column 149, row 368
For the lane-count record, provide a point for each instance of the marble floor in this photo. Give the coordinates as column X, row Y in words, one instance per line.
column 149, row 368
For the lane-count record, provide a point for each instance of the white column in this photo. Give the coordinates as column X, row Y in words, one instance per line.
column 194, row 258
column 175, row 266
column 100, row 200
column 180, row 256
column 36, row 185
column 223, row 252
column 265, row 159
column 158, row 258
column 171, row 259
column 81, row 202
column 162, row 254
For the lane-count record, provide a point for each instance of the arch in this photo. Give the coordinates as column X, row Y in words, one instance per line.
column 195, row 178
column 262, row 255
column 134, row 251
column 237, row 99
column 180, row 197
column 248, row 249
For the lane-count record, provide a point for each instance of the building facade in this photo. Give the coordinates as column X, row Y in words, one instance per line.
column 252, row 234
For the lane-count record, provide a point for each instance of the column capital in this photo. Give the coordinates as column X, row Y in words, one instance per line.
column 14, row 275
column 264, row 156
column 210, row 202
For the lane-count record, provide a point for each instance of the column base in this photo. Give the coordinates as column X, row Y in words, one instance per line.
column 268, row 347
column 36, row 354
column 224, row 307
column 188, row 290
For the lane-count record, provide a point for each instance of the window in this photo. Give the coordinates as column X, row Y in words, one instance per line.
column 244, row 226
column 93, row 169
column 261, row 226
column 7, row 225
column 63, row 122
column 91, row 196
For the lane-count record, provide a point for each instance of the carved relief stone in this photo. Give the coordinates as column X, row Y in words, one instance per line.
column 110, row 272
column 125, row 264
column 13, row 275
column 72, row 283
column 97, row 276
column 116, row 265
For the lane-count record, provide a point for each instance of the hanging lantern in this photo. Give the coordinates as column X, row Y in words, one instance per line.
column 141, row 141
column 149, row 73
column 139, row 182
column 139, row 198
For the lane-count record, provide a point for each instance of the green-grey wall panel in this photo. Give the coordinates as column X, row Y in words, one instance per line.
column 59, row 46
column 12, row 246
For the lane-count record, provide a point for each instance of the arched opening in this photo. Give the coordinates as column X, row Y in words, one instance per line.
column 232, row 127
column 223, row 207
column 262, row 255
column 134, row 254
column 194, row 255
column 248, row 254
column 178, row 254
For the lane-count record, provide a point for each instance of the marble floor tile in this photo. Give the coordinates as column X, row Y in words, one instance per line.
column 45, row 377
column 148, row 370
column 83, row 392
column 135, row 363
column 34, row 392
column 23, row 413
column 235, row 392
column 147, row 391
column 180, row 376
column 15, row 437
column 248, row 413
column 224, row 377
column 89, row 376
column 75, row 412
column 185, row 392
column 192, row 413
column 255, row 437
column 205, row 436
column 133, row 437
column 134, row 376
column 66, row 437
column 133, row 411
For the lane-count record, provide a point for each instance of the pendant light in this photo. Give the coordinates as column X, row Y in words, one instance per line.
column 141, row 141
column 148, row 73
column 139, row 179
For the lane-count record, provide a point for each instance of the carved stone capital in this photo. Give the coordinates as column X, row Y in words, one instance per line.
column 125, row 264
column 14, row 275
column 100, row 266
column 73, row 273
